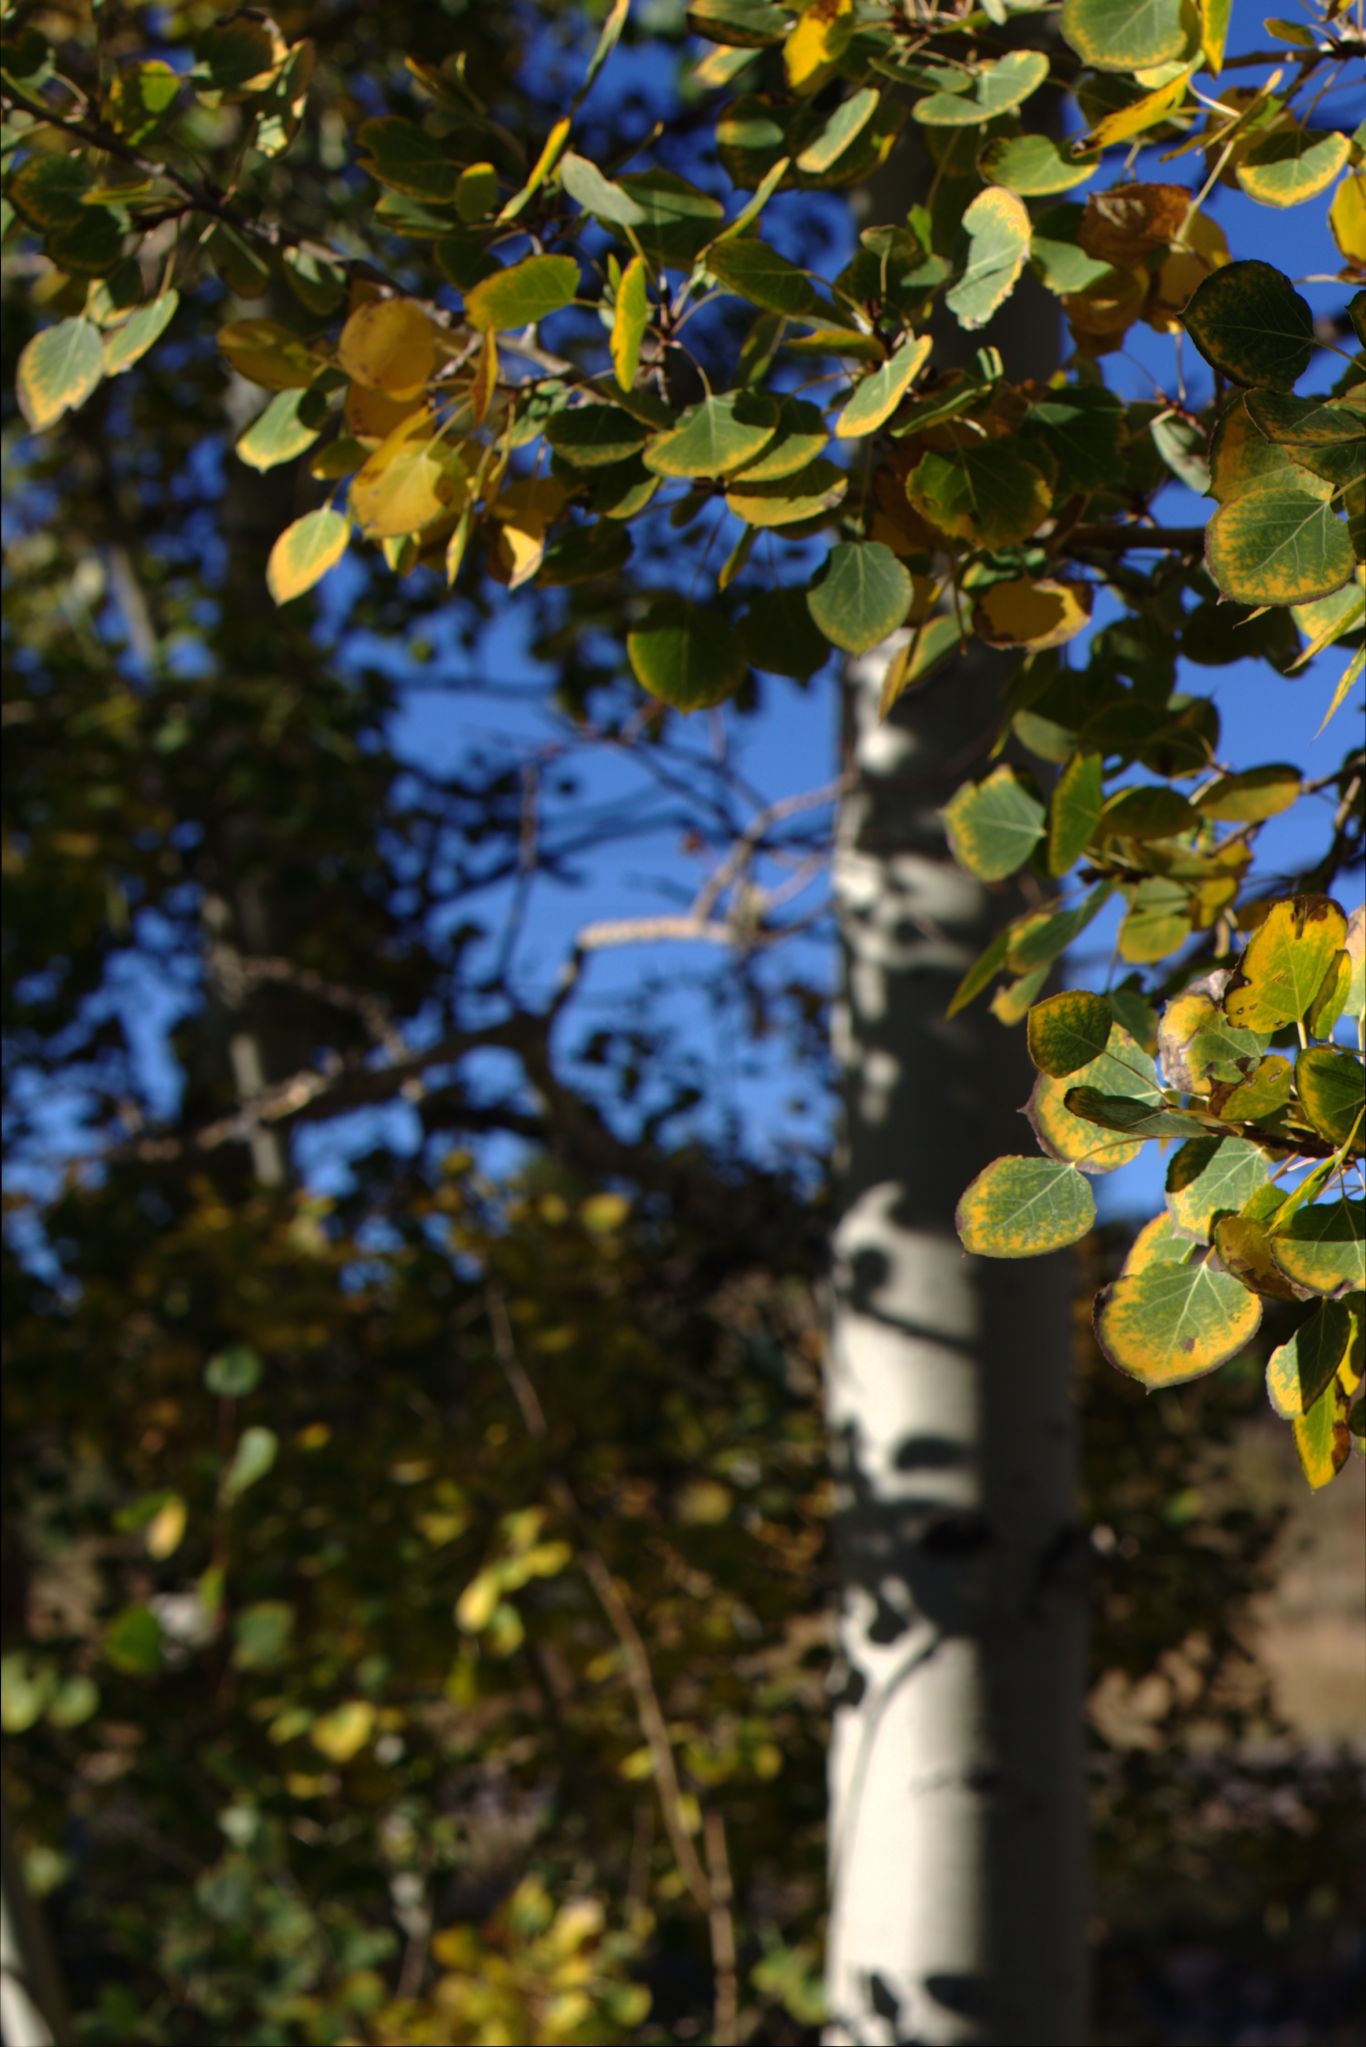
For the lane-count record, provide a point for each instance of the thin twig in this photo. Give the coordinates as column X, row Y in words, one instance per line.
column 710, row 1891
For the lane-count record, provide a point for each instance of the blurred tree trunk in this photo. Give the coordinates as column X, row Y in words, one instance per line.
column 957, row 1789
column 31, row 2005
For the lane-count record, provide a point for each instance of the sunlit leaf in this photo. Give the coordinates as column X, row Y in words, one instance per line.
column 862, row 594
column 1298, row 1370
column 1018, row 1208
column 1321, row 1248
column 1282, row 968
column 1167, row 1323
column 1209, row 1175
column 1068, row 1030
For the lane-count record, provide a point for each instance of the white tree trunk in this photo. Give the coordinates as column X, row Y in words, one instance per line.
column 958, row 1816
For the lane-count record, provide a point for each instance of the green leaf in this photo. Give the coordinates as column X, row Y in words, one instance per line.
column 132, row 1642
column 1033, row 165
column 597, row 194
column 801, row 436
column 781, row 637
column 686, row 654
column 757, row 273
column 1082, row 429
column 57, row 371
column 128, row 342
column 876, row 398
column 1249, row 321
column 1123, row 1068
column 744, row 24
column 304, row 553
column 48, row 191
column 994, row 826
column 253, row 1457
column 595, row 436
column 1283, row 965
column 1249, row 797
column 233, row 1373
column 861, row 595
column 997, row 227
column 1146, row 813
column 1323, row 1438
column 1074, row 810
column 1039, row 939
column 992, row 89
column 290, row 423
column 268, row 353
column 1018, row 1208
column 406, row 157
column 1321, row 1248
column 1278, row 544
column 1127, row 35
column 1209, row 1175
column 1168, row 1323
column 1297, row 1371
column 786, row 501
column 985, row 492
column 844, row 127
column 1331, row 1086
column 261, row 1634
column 525, row 293
column 1068, row 1030
column 716, row 437
column 630, row 319
column 1131, row 1118
column 1292, row 164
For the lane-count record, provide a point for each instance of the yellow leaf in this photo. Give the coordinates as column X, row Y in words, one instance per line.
column 389, row 346
column 1142, row 115
column 1022, row 613
column 165, row 1529
column 1347, row 218
column 408, row 481
column 541, row 169
column 342, row 1733
column 371, row 416
column 629, row 322
column 815, row 45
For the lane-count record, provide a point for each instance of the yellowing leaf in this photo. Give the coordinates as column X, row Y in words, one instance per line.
column 998, row 230
column 268, row 353
column 1165, row 1323
column 1298, row 1370
column 343, row 1733
column 1143, row 114
column 304, row 552
column 1022, row 613
column 1322, row 1436
column 371, row 416
column 57, row 371
column 1019, row 1208
column 389, row 345
column 876, row 398
column 1282, row 969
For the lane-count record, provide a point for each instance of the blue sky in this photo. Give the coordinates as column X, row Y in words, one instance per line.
column 790, row 744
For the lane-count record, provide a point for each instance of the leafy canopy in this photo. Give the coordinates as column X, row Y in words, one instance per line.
column 529, row 361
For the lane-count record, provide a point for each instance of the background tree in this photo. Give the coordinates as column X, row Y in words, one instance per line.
column 547, row 460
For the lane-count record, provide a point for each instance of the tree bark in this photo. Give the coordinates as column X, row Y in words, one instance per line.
column 958, row 1819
